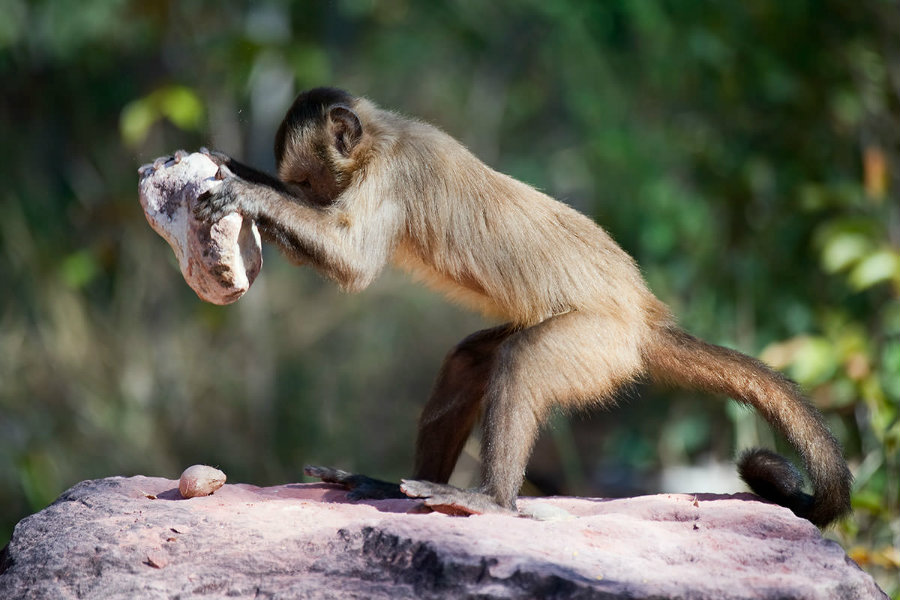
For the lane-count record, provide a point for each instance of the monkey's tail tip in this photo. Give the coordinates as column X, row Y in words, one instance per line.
column 774, row 478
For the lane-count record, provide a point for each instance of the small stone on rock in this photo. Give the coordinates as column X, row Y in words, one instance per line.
column 200, row 480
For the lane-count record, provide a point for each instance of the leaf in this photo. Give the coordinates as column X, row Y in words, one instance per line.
column 79, row 269
column 880, row 266
column 843, row 249
column 136, row 120
column 815, row 361
column 181, row 106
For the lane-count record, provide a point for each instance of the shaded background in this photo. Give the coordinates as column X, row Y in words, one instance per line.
column 745, row 153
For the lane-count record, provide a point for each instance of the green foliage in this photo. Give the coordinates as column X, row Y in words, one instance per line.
column 744, row 153
column 178, row 103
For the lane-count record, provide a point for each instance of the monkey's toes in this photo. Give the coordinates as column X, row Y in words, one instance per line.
column 327, row 474
column 416, row 488
column 451, row 500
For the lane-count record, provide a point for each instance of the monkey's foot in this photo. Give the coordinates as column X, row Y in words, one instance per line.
column 452, row 500
column 360, row 487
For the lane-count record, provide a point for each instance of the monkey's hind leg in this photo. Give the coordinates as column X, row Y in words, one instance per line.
column 453, row 407
column 571, row 360
column 360, row 487
column 446, row 420
column 445, row 424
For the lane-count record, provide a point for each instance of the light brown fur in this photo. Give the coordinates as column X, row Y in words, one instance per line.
column 360, row 187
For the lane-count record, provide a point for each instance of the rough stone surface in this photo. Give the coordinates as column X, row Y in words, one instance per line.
column 137, row 538
column 219, row 261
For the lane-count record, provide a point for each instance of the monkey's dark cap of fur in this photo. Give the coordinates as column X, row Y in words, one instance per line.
column 309, row 106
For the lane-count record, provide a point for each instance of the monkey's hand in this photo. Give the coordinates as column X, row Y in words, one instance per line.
column 223, row 199
column 452, row 500
column 360, row 487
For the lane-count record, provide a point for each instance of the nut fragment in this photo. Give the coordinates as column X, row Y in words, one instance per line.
column 200, row 480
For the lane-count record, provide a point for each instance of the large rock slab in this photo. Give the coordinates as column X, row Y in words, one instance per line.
column 137, row 538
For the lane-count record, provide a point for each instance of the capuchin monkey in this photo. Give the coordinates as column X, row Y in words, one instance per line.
column 359, row 187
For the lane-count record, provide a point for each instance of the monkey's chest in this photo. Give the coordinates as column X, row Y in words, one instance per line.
column 455, row 281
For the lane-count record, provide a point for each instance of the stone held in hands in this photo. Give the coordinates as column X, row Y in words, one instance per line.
column 218, row 260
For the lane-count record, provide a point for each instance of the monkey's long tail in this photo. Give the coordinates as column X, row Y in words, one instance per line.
column 677, row 358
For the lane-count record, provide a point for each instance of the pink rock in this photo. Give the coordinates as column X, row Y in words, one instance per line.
column 137, row 538
column 219, row 261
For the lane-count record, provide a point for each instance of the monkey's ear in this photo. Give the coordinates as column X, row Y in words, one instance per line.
column 346, row 130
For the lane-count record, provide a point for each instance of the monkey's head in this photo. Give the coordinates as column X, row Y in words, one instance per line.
column 319, row 144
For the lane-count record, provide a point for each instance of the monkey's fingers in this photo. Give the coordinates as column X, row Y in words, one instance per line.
column 452, row 500
column 213, row 204
column 162, row 161
column 219, row 158
column 205, row 208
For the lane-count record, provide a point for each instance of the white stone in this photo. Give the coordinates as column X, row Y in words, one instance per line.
column 200, row 480
column 219, row 261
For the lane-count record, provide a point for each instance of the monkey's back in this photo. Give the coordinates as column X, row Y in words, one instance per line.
column 498, row 245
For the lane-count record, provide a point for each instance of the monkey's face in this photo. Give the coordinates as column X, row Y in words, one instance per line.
column 308, row 170
column 315, row 144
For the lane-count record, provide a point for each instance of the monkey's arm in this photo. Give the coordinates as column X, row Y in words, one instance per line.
column 349, row 244
column 245, row 172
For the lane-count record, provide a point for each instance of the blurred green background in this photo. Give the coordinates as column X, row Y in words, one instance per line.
column 746, row 153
